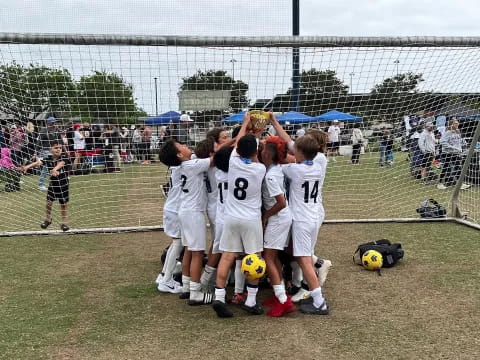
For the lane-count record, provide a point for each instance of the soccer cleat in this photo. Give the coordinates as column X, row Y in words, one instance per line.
column 238, row 299
column 292, row 290
column 271, row 301
column 302, row 294
column 159, row 278
column 322, row 271
column 171, row 287
column 311, row 309
column 184, row 295
column 207, row 299
column 253, row 310
column 64, row 227
column 42, row 188
column 222, row 309
column 465, row 186
column 282, row 309
column 45, row 224
column 441, row 187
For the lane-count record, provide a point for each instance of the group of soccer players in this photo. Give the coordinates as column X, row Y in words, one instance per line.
column 261, row 196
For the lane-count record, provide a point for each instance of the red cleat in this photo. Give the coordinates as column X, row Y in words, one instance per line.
column 282, row 309
column 271, row 301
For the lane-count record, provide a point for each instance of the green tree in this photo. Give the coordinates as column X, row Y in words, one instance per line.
column 218, row 80
column 397, row 96
column 33, row 89
column 318, row 89
column 106, row 97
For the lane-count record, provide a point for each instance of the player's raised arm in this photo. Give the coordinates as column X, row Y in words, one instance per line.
column 279, row 129
column 243, row 129
column 31, row 165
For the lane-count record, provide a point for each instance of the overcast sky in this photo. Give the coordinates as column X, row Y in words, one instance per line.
column 247, row 17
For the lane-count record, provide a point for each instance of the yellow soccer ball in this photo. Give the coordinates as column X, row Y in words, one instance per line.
column 253, row 266
column 372, row 260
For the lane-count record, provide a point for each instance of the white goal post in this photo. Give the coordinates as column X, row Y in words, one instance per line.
column 125, row 93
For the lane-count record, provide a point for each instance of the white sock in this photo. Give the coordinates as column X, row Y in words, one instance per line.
column 207, row 274
column 252, row 295
column 279, row 291
column 220, row 294
column 173, row 253
column 195, row 291
column 314, row 258
column 318, row 298
column 186, row 283
column 239, row 278
column 297, row 275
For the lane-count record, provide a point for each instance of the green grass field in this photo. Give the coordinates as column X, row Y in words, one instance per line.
column 133, row 197
column 93, row 297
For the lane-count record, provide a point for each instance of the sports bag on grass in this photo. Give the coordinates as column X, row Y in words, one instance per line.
column 391, row 253
column 431, row 209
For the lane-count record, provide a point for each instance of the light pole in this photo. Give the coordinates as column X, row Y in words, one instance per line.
column 396, row 62
column 233, row 61
column 156, row 97
column 351, row 82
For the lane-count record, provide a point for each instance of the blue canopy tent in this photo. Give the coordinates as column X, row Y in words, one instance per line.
column 293, row 117
column 235, row 118
column 164, row 119
column 338, row 115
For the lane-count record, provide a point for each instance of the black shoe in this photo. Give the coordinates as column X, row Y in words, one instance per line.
column 222, row 309
column 45, row 224
column 308, row 300
column 184, row 295
column 292, row 290
column 207, row 299
column 254, row 310
column 311, row 309
column 64, row 227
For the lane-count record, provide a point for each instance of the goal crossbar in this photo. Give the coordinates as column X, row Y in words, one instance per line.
column 238, row 41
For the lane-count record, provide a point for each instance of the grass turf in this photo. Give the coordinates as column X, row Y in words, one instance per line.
column 133, row 197
column 93, row 297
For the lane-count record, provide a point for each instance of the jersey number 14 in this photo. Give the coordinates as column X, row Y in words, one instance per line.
column 310, row 194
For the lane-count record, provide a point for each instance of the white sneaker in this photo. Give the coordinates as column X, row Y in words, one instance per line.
column 302, row 294
column 42, row 188
column 465, row 186
column 441, row 187
column 159, row 279
column 322, row 271
column 171, row 286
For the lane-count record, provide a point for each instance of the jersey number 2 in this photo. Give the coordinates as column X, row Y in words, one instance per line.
column 184, row 181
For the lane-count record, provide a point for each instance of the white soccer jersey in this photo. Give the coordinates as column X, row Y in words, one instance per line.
column 212, row 192
column 273, row 185
column 333, row 133
column 221, row 178
column 244, row 188
column 192, row 178
column 173, row 198
column 304, row 196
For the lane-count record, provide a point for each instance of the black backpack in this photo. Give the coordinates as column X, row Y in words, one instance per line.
column 391, row 253
column 430, row 208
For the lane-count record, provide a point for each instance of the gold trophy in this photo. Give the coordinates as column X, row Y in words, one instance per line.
column 259, row 119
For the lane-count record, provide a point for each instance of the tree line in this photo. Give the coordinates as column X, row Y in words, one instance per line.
column 33, row 89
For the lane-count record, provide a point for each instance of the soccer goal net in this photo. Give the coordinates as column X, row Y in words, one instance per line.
column 112, row 101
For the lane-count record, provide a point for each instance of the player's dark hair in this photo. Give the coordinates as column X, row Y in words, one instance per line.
column 168, row 153
column 235, row 131
column 307, row 145
column 55, row 143
column 215, row 134
column 222, row 157
column 320, row 137
column 204, row 148
column 247, row 146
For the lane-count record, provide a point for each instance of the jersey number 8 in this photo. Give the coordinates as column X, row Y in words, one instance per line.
column 239, row 191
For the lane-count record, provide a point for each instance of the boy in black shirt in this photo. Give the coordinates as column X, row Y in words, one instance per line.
column 57, row 164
